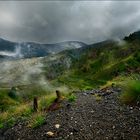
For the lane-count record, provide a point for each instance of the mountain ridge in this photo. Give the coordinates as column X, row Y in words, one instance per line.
column 17, row 50
column 13, row 50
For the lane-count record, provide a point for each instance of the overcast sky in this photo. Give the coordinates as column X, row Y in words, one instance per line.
column 50, row 22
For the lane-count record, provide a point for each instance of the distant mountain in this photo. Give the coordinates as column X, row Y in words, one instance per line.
column 6, row 45
column 133, row 36
column 82, row 68
column 15, row 50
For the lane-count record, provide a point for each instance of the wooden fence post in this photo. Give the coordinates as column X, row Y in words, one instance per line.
column 35, row 104
column 58, row 95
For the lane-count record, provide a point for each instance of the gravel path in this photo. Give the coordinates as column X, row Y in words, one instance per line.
column 88, row 118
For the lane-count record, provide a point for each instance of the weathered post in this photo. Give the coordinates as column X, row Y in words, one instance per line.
column 58, row 95
column 35, row 104
column 56, row 103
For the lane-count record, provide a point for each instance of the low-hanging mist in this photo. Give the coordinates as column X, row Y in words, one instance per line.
column 31, row 73
column 18, row 50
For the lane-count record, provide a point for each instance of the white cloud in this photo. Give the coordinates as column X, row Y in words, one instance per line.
column 6, row 19
column 87, row 21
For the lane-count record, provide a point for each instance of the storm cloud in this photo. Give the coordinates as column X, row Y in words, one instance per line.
column 57, row 21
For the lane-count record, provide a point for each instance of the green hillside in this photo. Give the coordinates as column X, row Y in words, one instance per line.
column 97, row 64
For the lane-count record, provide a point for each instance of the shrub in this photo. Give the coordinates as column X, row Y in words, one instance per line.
column 131, row 92
column 27, row 112
column 71, row 98
column 13, row 93
column 137, row 56
column 1, row 125
column 10, row 122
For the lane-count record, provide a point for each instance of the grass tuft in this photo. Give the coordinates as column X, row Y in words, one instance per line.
column 71, row 98
column 131, row 92
column 1, row 125
column 10, row 123
column 97, row 97
column 37, row 120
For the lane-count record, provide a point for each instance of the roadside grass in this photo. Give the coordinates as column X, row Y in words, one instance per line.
column 10, row 122
column 9, row 117
column 36, row 120
column 71, row 98
column 131, row 92
column 3, row 118
column 45, row 101
column 12, row 109
column 28, row 92
column 23, row 109
column 6, row 101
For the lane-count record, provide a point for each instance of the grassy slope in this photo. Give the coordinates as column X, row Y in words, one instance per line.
column 98, row 65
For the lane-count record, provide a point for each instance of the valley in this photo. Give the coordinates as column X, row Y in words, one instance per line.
column 75, row 72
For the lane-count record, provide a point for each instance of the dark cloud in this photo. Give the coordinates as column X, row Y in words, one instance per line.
column 49, row 22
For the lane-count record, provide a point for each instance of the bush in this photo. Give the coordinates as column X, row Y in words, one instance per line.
column 13, row 93
column 131, row 92
column 137, row 56
column 1, row 125
column 71, row 98
column 10, row 122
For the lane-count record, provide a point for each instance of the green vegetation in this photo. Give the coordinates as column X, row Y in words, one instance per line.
column 71, row 98
column 6, row 101
column 13, row 94
column 10, row 122
column 36, row 120
column 1, row 126
column 98, row 65
column 97, row 97
column 12, row 109
column 131, row 92
column 46, row 101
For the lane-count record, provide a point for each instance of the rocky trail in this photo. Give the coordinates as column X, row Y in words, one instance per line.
column 95, row 115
